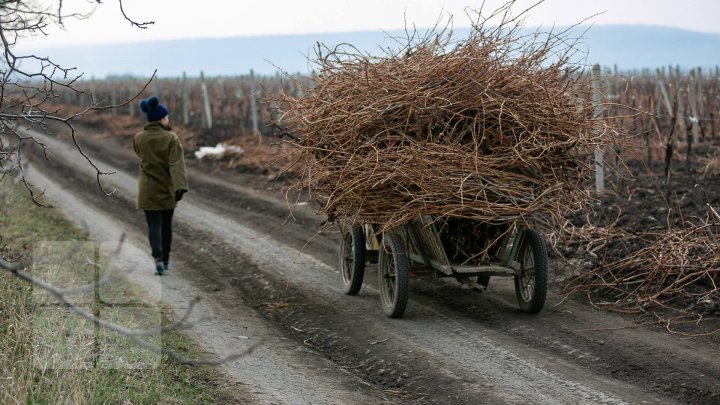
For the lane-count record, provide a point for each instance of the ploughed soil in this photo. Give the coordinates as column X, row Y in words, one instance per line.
column 233, row 235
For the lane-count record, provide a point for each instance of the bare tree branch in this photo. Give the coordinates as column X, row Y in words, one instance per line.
column 29, row 85
column 142, row 25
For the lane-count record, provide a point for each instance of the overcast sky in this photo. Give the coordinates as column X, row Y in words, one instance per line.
column 225, row 18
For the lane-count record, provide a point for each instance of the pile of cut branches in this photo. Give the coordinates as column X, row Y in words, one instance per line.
column 671, row 273
column 497, row 127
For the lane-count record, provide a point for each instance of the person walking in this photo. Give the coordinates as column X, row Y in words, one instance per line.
column 162, row 181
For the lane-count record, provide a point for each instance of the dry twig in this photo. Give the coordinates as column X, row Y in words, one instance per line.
column 671, row 274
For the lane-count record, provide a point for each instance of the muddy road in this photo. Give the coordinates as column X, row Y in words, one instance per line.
column 278, row 278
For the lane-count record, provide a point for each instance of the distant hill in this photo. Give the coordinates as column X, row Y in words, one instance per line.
column 628, row 46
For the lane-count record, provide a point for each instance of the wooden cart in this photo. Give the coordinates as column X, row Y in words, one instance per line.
column 519, row 253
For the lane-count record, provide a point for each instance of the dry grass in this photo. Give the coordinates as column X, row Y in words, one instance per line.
column 46, row 354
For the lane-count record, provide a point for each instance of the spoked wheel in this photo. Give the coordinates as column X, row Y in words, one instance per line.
column 393, row 275
column 352, row 259
column 531, row 282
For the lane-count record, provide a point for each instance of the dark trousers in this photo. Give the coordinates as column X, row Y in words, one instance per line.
column 160, row 233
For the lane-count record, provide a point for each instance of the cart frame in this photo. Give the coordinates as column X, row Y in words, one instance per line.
column 520, row 253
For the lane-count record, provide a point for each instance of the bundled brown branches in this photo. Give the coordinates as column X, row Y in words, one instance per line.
column 495, row 128
column 671, row 273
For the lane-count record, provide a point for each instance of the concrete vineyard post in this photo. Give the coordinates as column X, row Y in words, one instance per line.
column 298, row 88
column 611, row 84
column 253, row 105
column 185, row 100
column 693, row 98
column 597, row 101
column 152, row 87
column 717, row 98
column 67, row 96
column 670, row 73
column 664, row 95
column 655, row 118
column 240, row 103
column 207, row 112
column 92, row 90
column 700, row 102
column 134, row 105
column 113, row 99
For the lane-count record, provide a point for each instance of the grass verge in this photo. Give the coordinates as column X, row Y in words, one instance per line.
column 38, row 338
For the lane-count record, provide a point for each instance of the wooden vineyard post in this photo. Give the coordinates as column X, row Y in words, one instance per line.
column 253, row 105
column 207, row 113
column 185, row 100
column 597, row 102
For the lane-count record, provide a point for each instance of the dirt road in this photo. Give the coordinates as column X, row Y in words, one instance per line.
column 263, row 281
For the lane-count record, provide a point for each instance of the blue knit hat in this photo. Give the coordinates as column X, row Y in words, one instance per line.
column 154, row 110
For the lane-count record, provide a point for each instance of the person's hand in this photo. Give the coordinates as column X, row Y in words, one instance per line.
column 179, row 194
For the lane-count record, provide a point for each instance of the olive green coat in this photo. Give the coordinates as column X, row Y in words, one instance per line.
column 162, row 167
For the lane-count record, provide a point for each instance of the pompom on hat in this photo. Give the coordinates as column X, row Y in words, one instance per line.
column 154, row 110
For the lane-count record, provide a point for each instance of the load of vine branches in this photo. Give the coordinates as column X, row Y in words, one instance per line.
column 496, row 127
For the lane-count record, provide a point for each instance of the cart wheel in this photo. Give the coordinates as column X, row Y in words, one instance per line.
column 393, row 275
column 352, row 259
column 531, row 283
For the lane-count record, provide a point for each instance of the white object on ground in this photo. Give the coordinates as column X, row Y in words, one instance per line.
column 218, row 151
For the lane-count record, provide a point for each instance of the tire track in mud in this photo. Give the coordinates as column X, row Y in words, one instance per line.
column 472, row 362
column 427, row 351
